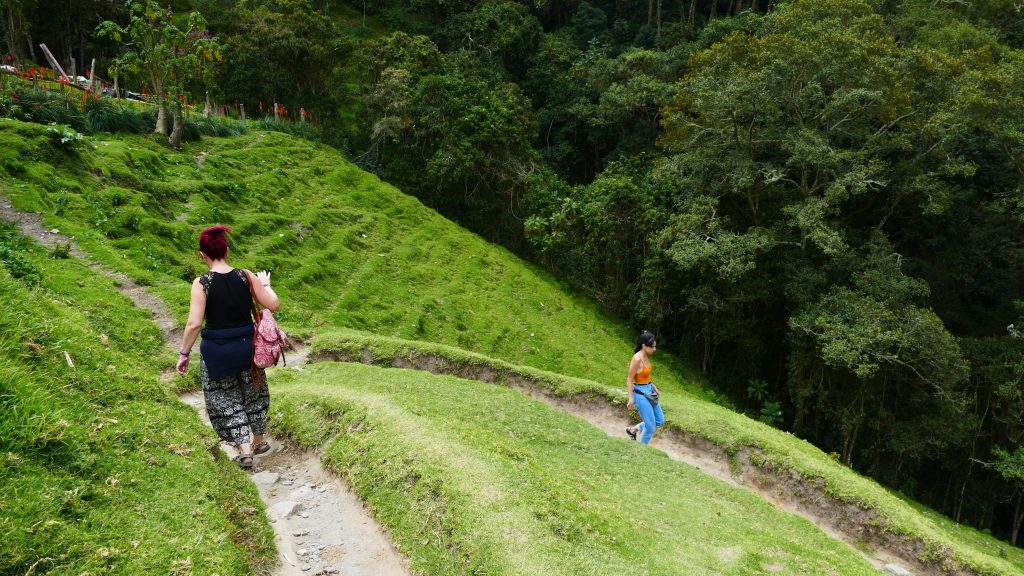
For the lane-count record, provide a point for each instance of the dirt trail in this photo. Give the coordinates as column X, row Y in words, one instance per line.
column 715, row 462
column 31, row 225
column 320, row 525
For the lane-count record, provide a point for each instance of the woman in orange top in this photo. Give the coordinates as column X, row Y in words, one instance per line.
column 641, row 391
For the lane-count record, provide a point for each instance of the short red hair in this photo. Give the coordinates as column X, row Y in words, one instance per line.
column 214, row 241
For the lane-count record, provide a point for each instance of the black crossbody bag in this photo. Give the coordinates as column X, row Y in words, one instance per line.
column 652, row 397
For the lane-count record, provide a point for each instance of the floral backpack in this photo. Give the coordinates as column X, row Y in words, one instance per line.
column 268, row 341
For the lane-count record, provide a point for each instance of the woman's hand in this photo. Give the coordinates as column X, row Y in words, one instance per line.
column 182, row 367
column 630, row 405
column 263, row 277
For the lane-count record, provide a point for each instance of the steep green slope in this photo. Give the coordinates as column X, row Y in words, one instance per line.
column 346, row 249
column 476, row 479
column 102, row 470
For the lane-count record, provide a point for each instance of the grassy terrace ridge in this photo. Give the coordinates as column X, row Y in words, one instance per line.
column 693, row 415
column 346, row 250
column 102, row 470
column 475, row 479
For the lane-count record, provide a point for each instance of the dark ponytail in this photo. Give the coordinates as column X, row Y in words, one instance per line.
column 645, row 339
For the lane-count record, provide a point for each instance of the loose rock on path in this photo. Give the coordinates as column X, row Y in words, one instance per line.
column 320, row 525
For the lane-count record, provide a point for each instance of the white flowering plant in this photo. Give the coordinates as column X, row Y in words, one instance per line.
column 64, row 135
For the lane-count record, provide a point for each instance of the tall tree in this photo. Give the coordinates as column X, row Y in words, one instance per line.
column 15, row 27
column 148, row 51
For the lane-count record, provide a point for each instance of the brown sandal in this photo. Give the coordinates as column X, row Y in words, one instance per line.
column 261, row 448
column 244, row 461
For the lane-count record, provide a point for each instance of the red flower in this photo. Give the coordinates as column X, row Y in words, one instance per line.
column 35, row 106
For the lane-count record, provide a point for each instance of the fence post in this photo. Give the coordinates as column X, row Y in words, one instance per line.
column 53, row 61
column 241, row 108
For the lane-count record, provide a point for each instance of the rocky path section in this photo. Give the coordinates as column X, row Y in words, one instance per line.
column 320, row 525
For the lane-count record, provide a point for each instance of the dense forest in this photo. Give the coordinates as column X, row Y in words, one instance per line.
column 819, row 202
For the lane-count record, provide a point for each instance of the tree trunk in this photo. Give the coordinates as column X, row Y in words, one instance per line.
column 31, row 47
column 691, row 18
column 714, row 10
column 13, row 31
column 175, row 137
column 650, row 12
column 658, row 17
column 161, row 118
column 1018, row 519
column 849, row 441
column 207, row 108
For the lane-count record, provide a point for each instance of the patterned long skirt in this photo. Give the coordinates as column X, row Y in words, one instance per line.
column 235, row 405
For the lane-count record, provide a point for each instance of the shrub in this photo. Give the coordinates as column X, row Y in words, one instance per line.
column 302, row 130
column 64, row 136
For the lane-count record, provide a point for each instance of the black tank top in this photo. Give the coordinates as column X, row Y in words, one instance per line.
column 228, row 299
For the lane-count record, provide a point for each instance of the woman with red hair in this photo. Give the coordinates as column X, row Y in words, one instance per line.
column 236, row 402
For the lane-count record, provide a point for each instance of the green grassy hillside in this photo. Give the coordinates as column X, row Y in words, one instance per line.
column 346, row 249
column 353, row 256
column 476, row 479
column 777, row 451
column 102, row 470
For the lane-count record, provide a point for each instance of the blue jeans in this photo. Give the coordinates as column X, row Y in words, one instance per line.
column 652, row 416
